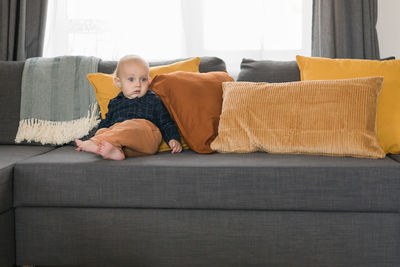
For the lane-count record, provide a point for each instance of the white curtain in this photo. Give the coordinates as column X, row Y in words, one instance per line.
column 168, row 29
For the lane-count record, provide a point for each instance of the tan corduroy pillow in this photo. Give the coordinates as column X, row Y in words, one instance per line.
column 336, row 118
column 388, row 109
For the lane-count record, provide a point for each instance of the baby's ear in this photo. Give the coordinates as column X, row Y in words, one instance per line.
column 117, row 82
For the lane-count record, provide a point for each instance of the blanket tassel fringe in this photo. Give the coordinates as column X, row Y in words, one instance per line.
column 57, row 132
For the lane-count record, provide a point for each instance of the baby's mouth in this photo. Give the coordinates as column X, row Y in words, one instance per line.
column 137, row 91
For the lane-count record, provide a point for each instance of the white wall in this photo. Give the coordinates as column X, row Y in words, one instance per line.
column 388, row 28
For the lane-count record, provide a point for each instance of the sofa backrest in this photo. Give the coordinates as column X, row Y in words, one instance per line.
column 207, row 64
column 10, row 96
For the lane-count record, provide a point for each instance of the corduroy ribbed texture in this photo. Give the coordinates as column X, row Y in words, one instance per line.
column 336, row 118
column 388, row 109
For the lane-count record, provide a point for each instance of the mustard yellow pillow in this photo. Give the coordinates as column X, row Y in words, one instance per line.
column 334, row 118
column 388, row 111
column 105, row 88
column 190, row 65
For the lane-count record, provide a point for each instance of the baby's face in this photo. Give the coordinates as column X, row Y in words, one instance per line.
column 133, row 79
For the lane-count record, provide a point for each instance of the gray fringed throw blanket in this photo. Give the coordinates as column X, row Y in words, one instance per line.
column 58, row 103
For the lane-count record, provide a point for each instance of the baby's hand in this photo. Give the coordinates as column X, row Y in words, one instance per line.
column 175, row 146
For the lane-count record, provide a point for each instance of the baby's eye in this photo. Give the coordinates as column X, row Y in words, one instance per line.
column 144, row 79
column 131, row 79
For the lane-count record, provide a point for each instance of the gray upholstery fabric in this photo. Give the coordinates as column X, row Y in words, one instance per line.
column 396, row 157
column 22, row 25
column 10, row 99
column 6, row 190
column 345, row 29
column 173, row 237
column 268, row 71
column 64, row 177
column 7, row 239
column 9, row 155
column 207, row 64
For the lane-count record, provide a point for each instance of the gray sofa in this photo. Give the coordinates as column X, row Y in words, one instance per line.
column 59, row 207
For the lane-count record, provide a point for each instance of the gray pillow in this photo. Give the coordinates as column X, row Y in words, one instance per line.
column 207, row 64
column 388, row 58
column 268, row 71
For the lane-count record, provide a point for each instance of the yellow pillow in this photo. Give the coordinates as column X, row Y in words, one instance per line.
column 334, row 118
column 105, row 88
column 388, row 111
column 190, row 65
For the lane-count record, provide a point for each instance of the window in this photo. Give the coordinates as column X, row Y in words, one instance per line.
column 167, row 29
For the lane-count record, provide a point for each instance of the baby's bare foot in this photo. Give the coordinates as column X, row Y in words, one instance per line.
column 87, row 146
column 108, row 151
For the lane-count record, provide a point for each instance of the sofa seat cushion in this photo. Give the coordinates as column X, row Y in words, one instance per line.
column 396, row 157
column 64, row 177
column 9, row 155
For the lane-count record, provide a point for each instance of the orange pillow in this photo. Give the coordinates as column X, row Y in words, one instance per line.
column 106, row 90
column 336, row 118
column 194, row 101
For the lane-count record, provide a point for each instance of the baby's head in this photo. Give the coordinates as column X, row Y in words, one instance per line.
column 132, row 76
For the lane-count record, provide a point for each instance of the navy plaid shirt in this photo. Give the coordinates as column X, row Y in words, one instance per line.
column 147, row 107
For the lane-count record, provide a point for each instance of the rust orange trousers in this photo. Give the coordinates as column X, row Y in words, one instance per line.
column 134, row 137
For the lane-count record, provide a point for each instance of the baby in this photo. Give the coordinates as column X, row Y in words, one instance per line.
column 136, row 119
